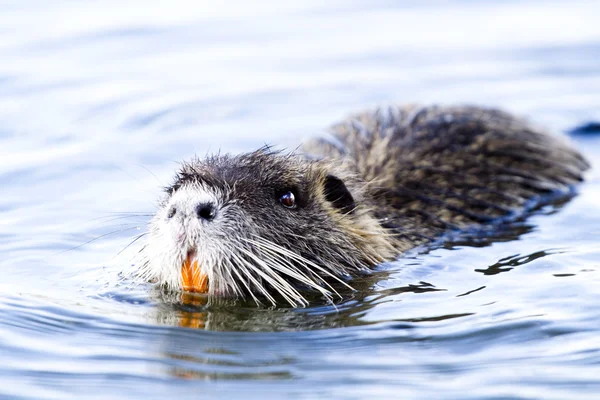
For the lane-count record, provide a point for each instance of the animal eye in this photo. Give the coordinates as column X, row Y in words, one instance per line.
column 288, row 200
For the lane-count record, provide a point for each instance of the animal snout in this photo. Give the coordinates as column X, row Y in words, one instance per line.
column 205, row 211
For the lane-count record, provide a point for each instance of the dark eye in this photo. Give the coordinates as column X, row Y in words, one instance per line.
column 288, row 200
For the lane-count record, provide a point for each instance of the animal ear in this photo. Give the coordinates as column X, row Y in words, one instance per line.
column 338, row 195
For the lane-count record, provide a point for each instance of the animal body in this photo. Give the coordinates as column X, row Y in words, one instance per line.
column 273, row 226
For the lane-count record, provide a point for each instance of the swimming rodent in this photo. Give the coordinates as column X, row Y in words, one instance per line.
column 273, row 226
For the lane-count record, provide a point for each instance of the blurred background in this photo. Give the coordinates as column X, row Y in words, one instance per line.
column 99, row 100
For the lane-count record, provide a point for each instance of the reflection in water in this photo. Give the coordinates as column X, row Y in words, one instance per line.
column 231, row 370
column 245, row 316
column 191, row 310
column 508, row 263
column 470, row 291
column 591, row 128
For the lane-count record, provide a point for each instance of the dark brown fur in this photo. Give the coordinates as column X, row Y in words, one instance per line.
column 434, row 169
column 387, row 181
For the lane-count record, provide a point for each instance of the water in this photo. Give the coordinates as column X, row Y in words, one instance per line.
column 99, row 100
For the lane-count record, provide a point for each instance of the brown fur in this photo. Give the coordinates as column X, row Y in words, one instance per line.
column 435, row 169
column 387, row 181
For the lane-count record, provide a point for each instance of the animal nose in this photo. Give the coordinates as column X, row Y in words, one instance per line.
column 206, row 211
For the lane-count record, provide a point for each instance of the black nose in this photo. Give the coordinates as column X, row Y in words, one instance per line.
column 206, row 211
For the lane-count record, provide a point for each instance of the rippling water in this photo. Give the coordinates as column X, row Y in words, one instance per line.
column 100, row 99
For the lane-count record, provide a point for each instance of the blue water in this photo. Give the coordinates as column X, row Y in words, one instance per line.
column 100, row 100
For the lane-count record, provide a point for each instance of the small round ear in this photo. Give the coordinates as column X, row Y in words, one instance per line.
column 338, row 195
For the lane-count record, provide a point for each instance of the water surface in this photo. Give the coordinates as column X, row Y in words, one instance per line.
column 99, row 101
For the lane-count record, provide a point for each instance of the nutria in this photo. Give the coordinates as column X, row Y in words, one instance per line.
column 272, row 225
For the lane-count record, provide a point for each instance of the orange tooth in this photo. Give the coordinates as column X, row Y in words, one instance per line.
column 194, row 280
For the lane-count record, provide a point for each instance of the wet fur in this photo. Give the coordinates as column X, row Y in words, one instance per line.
column 384, row 182
column 434, row 169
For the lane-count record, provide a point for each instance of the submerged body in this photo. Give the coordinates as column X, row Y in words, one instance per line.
column 272, row 226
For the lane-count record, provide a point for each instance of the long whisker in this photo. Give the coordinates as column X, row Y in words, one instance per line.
column 297, row 257
column 151, row 173
column 97, row 238
column 278, row 262
column 109, row 218
column 281, row 252
column 275, row 280
column 312, row 283
column 235, row 271
column 138, row 237
column 252, row 278
column 230, row 281
column 284, row 288
column 284, row 266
